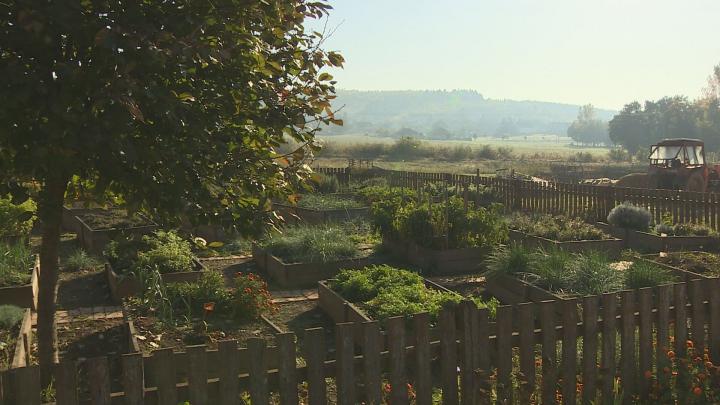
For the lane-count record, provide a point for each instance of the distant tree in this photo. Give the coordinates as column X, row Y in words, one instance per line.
column 712, row 90
column 439, row 131
column 177, row 107
column 406, row 132
column 506, row 128
column 587, row 129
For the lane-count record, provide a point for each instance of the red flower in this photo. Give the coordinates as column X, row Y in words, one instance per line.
column 209, row 306
column 697, row 391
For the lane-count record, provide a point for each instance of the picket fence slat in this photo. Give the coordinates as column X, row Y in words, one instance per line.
column 590, row 349
column 504, row 353
column 98, row 370
column 345, row 376
column 645, row 337
column 197, row 374
column 448, row 357
column 549, row 351
column 526, row 323
column 259, row 393
column 315, row 358
column 165, row 376
column 133, row 378
column 569, row 351
column 398, row 378
column 66, row 379
column 229, row 371
column 371, row 359
column 288, row 369
column 609, row 338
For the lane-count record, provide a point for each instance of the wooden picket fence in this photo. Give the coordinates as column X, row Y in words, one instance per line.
column 526, row 354
column 593, row 202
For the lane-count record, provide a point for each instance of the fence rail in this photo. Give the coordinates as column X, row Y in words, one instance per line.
column 602, row 347
column 591, row 201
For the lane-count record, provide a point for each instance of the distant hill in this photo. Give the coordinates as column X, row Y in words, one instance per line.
column 457, row 114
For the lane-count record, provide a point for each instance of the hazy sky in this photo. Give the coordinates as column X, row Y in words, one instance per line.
column 606, row 52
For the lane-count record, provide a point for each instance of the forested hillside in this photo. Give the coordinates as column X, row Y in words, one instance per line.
column 457, row 114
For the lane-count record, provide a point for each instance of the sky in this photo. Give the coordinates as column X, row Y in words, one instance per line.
column 604, row 52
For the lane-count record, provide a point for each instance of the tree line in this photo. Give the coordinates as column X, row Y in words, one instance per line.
column 638, row 126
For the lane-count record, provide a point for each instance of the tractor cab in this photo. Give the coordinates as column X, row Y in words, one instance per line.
column 678, row 164
column 677, row 153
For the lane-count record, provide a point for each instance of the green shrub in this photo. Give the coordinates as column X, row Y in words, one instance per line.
column 508, row 260
column 629, row 216
column 693, row 230
column 664, row 229
column 366, row 284
column 313, row 244
column 372, row 194
column 325, row 183
column 556, row 227
column 327, row 202
column 16, row 219
column 551, row 268
column 16, row 263
column 10, row 315
column 165, row 251
column 80, row 260
column 644, row 274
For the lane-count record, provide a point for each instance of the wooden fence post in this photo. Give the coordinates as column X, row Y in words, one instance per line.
column 448, row 356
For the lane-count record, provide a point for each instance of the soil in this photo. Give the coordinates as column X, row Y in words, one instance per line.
column 300, row 315
column 471, row 285
column 84, row 339
column 228, row 265
column 8, row 339
column 113, row 219
column 84, row 289
column 697, row 262
column 152, row 334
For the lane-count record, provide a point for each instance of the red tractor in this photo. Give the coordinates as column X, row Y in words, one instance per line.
column 676, row 164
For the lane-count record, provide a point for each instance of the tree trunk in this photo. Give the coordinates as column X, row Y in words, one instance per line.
column 50, row 205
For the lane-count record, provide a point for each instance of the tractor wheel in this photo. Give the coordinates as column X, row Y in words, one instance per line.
column 696, row 183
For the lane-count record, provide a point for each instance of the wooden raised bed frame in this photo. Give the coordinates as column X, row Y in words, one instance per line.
column 95, row 240
column 684, row 275
column 612, row 247
column 294, row 275
column 438, row 262
column 23, row 296
column 128, row 286
column 312, row 216
column 651, row 243
column 23, row 343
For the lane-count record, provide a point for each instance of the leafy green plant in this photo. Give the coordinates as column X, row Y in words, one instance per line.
column 327, row 202
column 551, row 269
column 16, row 262
column 80, row 260
column 165, row 251
column 387, row 291
column 10, row 315
column 644, row 274
column 555, row 227
column 592, row 274
column 630, row 216
column 307, row 243
column 16, row 219
column 693, row 230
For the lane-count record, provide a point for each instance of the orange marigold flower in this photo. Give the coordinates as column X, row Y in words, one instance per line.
column 690, row 344
column 697, row 391
column 671, row 354
column 708, row 365
column 698, row 359
column 209, row 306
column 648, row 374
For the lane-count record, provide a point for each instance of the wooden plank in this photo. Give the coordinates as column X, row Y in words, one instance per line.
column 645, row 351
column 197, row 374
column 526, row 325
column 680, row 320
column 467, row 363
column 66, row 379
column 504, row 354
column 714, row 330
column 24, row 386
column 590, row 349
column 697, row 297
column 98, row 371
column 287, row 370
column 549, row 351
column 663, row 293
column 229, row 370
column 371, row 361
column 344, row 374
column 315, row 358
column 396, row 343
column 448, row 356
column 628, row 369
column 165, row 376
column 259, row 393
column 482, row 351
column 133, row 378
column 569, row 351
column 609, row 337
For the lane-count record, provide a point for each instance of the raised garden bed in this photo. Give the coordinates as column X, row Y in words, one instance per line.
column 127, row 285
column 612, row 246
column 295, row 275
column 694, row 264
column 319, row 208
column 26, row 295
column 98, row 228
column 16, row 342
column 435, row 261
column 653, row 243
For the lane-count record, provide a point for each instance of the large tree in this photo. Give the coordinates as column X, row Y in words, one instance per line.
column 176, row 106
column 587, row 128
